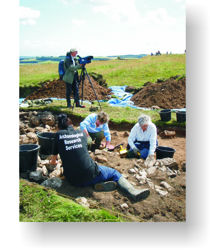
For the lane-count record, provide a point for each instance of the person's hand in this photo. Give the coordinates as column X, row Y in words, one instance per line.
column 150, row 161
column 89, row 141
column 136, row 151
column 107, row 144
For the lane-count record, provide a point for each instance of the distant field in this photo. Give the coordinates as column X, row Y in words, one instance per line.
column 130, row 72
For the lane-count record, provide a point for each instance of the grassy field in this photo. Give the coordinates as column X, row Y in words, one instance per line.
column 40, row 204
column 133, row 72
column 128, row 72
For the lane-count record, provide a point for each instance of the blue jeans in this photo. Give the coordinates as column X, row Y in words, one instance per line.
column 143, row 147
column 106, row 174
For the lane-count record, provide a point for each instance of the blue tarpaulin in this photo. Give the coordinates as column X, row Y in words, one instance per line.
column 125, row 97
column 118, row 91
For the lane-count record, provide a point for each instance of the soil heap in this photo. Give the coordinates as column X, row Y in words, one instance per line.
column 170, row 94
column 57, row 89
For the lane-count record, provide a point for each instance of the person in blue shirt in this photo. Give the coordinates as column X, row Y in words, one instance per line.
column 96, row 128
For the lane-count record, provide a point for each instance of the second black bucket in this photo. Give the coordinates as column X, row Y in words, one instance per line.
column 164, row 152
column 45, row 140
column 28, row 154
column 165, row 115
column 181, row 116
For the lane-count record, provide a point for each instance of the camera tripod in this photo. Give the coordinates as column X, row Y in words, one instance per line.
column 82, row 78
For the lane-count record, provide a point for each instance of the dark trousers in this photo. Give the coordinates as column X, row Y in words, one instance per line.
column 69, row 88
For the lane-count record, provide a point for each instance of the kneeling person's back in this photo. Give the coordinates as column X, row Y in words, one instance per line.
column 71, row 145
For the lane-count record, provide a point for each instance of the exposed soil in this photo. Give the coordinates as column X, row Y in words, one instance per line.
column 57, row 89
column 170, row 94
column 155, row 207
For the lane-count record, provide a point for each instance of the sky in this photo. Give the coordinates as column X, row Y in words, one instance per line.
column 101, row 27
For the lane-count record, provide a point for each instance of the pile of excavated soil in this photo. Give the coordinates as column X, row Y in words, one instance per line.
column 57, row 89
column 170, row 94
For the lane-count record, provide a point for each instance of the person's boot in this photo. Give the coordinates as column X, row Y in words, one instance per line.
column 136, row 194
column 106, row 186
column 69, row 103
column 78, row 105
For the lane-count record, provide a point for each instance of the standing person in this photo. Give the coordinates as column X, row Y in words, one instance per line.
column 71, row 77
column 142, row 140
column 96, row 128
column 79, row 169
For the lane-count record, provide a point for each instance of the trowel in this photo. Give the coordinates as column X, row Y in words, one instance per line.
column 123, row 152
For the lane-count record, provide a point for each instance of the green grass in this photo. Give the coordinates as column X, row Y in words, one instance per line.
column 118, row 115
column 41, row 204
column 132, row 72
column 136, row 72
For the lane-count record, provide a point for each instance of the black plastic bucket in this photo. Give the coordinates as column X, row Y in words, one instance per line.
column 28, row 154
column 165, row 115
column 45, row 140
column 181, row 116
column 164, row 152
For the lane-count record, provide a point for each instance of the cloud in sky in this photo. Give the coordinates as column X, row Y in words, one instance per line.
column 28, row 15
column 119, row 11
column 79, row 23
column 160, row 17
column 107, row 27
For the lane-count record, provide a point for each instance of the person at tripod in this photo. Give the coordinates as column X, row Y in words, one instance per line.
column 96, row 128
column 71, row 77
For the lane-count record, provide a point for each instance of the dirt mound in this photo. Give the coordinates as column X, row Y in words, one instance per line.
column 169, row 94
column 57, row 89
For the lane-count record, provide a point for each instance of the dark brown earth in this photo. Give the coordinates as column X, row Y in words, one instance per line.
column 57, row 89
column 170, row 94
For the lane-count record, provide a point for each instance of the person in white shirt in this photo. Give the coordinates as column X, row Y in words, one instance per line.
column 142, row 141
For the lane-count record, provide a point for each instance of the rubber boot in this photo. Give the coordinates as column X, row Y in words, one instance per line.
column 136, row 194
column 106, row 186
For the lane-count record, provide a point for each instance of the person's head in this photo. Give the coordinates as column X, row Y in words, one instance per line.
column 102, row 117
column 63, row 121
column 144, row 121
column 73, row 52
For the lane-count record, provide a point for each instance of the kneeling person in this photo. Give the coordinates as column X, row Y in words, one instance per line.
column 79, row 169
column 142, row 140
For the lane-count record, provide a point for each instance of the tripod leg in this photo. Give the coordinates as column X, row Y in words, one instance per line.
column 92, row 86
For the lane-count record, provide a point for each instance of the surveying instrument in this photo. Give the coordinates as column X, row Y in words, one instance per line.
column 83, row 74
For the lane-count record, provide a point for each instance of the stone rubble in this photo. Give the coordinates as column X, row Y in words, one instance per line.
column 33, row 122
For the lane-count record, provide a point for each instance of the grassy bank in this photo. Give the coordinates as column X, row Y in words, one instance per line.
column 130, row 72
column 41, row 204
column 118, row 115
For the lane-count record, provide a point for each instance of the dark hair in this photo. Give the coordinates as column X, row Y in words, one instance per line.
column 68, row 54
column 62, row 121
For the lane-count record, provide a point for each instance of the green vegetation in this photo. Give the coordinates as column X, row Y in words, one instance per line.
column 136, row 72
column 132, row 72
column 41, row 204
column 118, row 115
